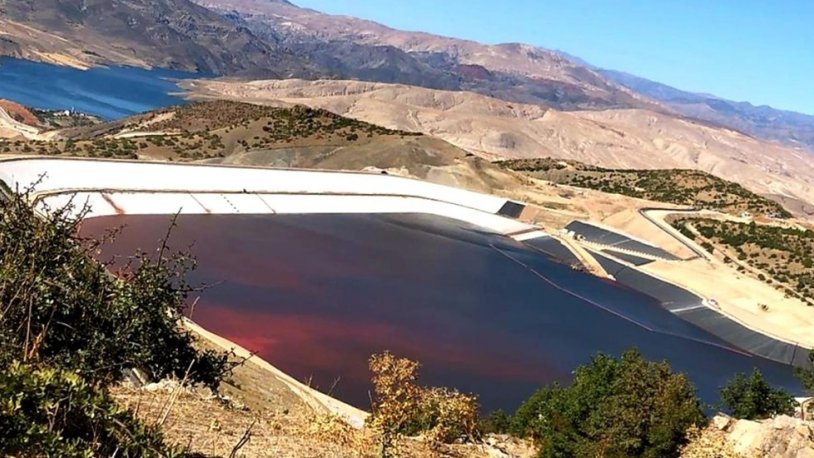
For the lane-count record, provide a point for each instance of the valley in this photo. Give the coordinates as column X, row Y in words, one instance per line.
column 305, row 193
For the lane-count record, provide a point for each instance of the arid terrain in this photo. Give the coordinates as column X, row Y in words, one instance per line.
column 278, row 39
column 721, row 190
column 514, row 72
column 173, row 34
column 280, row 419
column 692, row 188
column 495, row 129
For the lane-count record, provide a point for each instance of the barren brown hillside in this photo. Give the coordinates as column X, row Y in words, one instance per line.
column 495, row 129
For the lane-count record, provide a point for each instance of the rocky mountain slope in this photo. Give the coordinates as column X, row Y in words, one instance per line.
column 513, row 71
column 788, row 127
column 175, row 34
column 277, row 39
column 496, row 129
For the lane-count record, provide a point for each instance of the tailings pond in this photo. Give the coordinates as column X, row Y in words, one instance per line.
column 315, row 295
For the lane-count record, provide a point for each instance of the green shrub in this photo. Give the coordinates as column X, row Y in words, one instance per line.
column 498, row 422
column 63, row 309
column 49, row 412
column 615, row 407
column 752, row 398
column 68, row 328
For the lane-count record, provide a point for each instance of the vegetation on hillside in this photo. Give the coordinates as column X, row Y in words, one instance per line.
column 62, row 119
column 615, row 407
column 402, row 407
column 750, row 397
column 784, row 255
column 55, row 412
column 69, row 329
column 682, row 187
column 206, row 130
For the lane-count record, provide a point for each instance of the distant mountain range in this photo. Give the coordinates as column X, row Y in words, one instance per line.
column 787, row 127
column 514, row 72
column 352, row 48
column 175, row 34
column 276, row 39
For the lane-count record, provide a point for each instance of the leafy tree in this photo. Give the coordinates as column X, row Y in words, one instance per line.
column 806, row 375
column 401, row 407
column 614, row 408
column 751, row 397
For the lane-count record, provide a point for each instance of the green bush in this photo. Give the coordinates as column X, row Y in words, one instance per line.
column 49, row 412
column 751, row 397
column 625, row 407
column 62, row 308
column 68, row 328
column 498, row 422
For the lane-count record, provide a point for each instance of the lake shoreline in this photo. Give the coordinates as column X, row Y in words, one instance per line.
column 110, row 93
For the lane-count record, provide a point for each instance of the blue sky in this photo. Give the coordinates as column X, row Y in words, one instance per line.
column 755, row 50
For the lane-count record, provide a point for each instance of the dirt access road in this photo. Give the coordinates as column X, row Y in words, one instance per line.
column 7, row 123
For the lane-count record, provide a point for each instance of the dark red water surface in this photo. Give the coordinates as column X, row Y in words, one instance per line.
column 315, row 295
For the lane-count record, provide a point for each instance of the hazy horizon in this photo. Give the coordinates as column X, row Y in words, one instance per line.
column 745, row 51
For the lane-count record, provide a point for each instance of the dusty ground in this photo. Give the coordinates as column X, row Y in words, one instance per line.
column 494, row 128
column 11, row 128
column 779, row 437
column 213, row 428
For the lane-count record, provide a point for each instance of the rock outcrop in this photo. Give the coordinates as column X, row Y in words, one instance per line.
column 778, row 437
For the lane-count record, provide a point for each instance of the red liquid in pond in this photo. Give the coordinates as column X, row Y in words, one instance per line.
column 316, row 295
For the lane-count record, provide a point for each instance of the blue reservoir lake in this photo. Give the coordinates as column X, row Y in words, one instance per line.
column 110, row 93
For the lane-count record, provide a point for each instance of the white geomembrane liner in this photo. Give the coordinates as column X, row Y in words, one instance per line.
column 149, row 203
column 142, row 188
column 69, row 174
